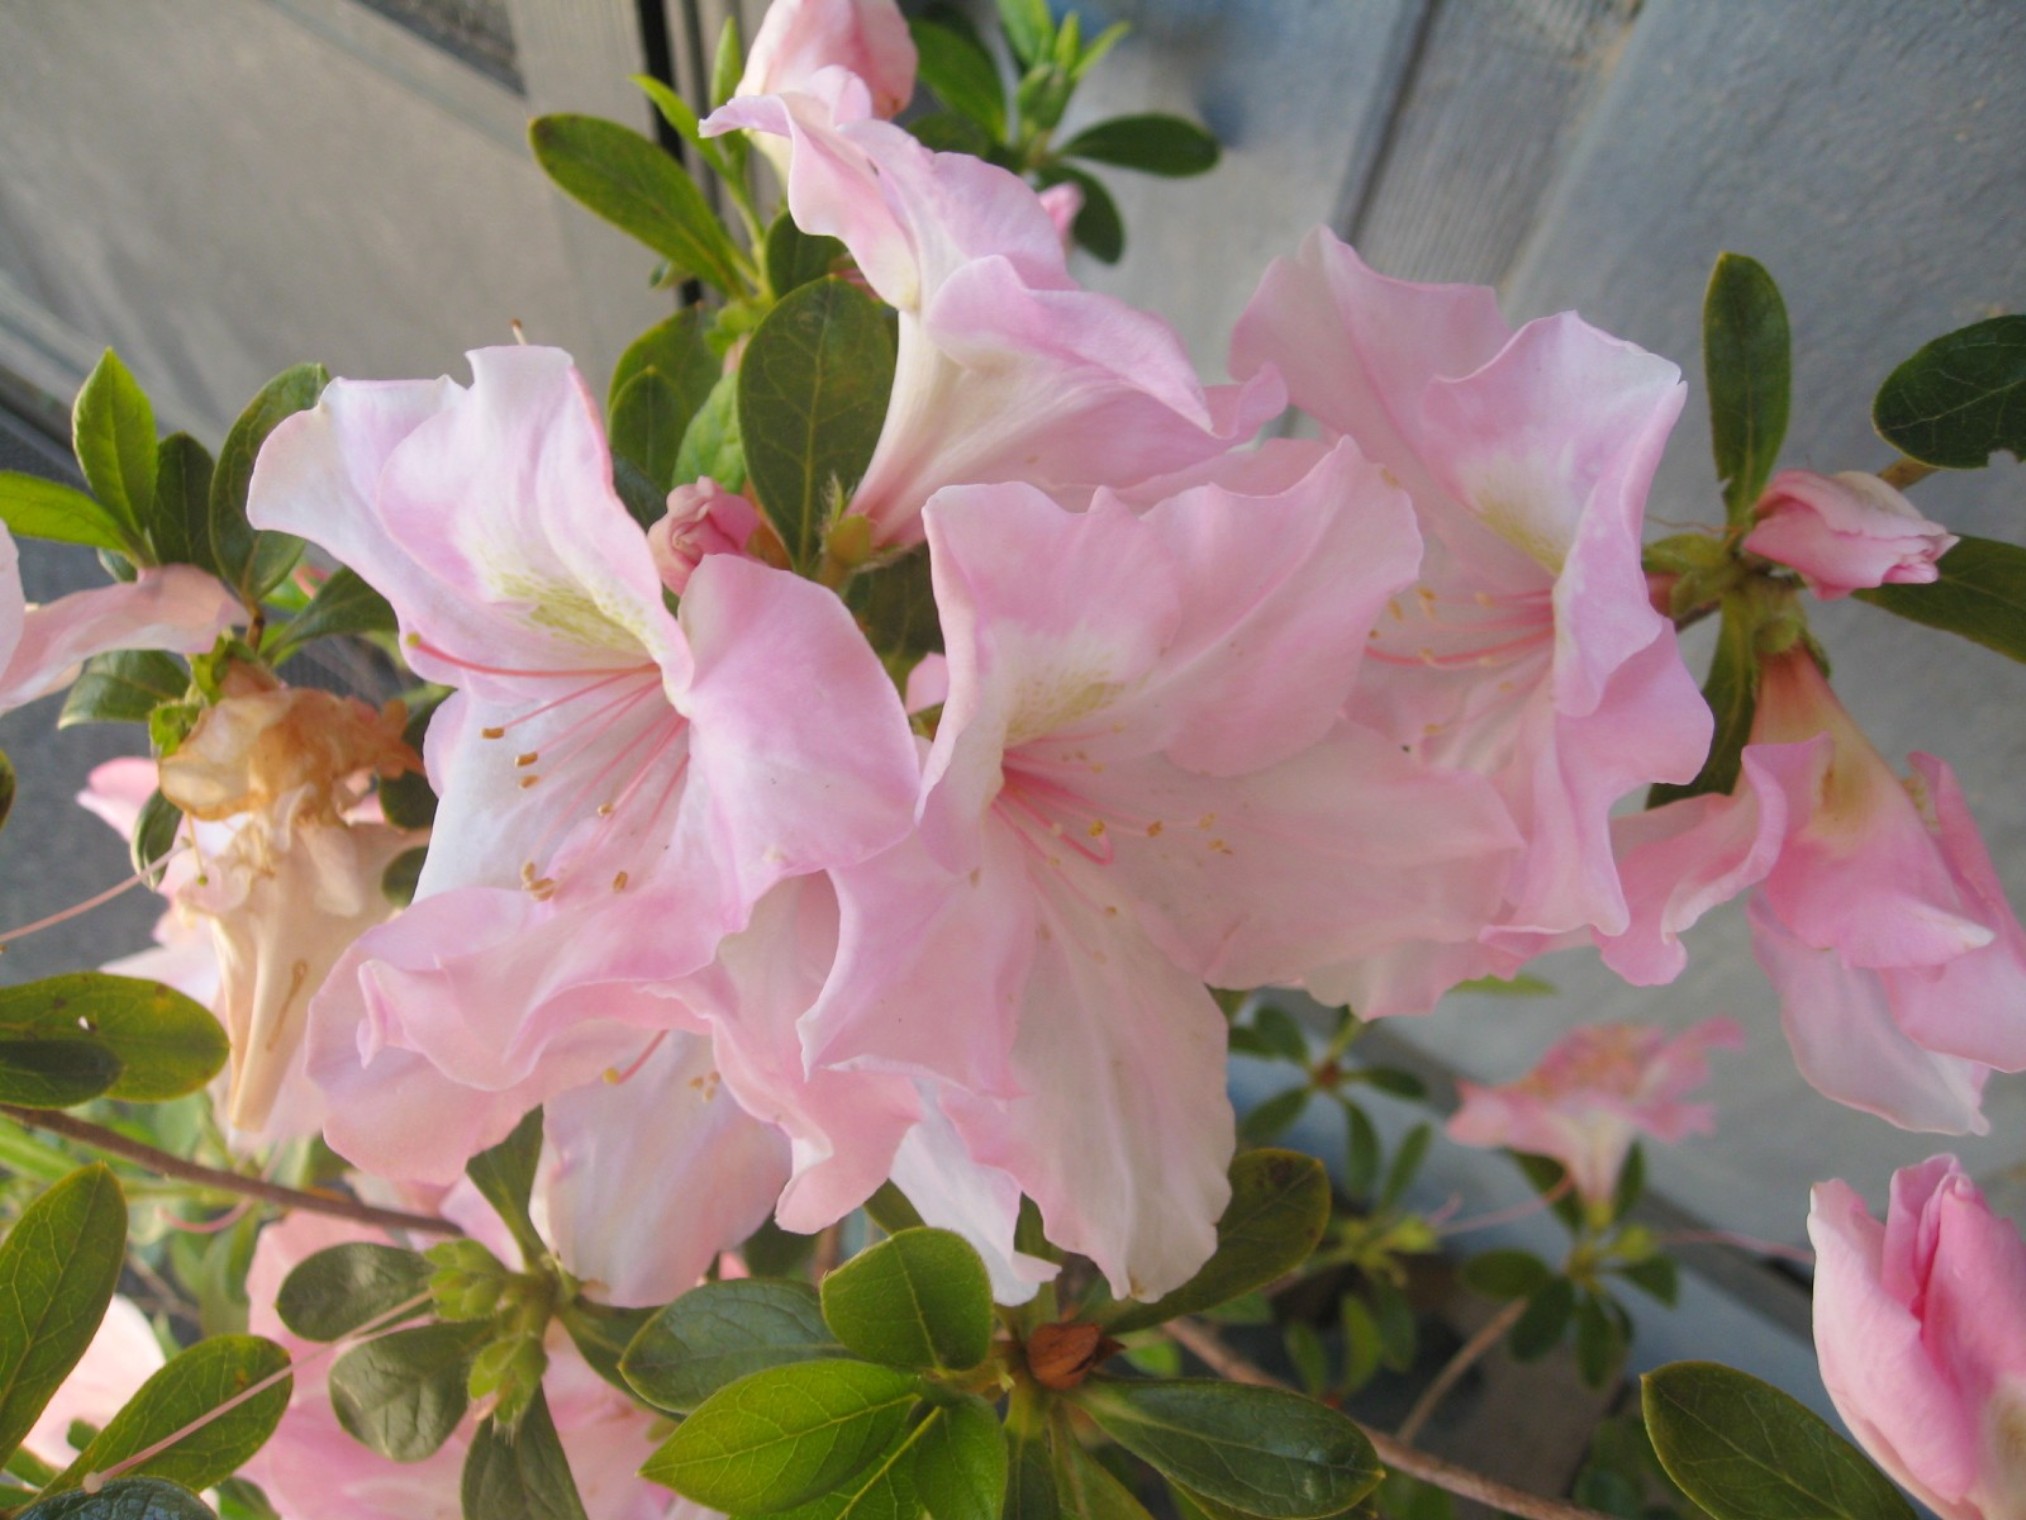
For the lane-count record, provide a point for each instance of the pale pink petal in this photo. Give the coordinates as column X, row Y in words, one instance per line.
column 982, row 1203
column 702, row 518
column 1846, row 532
column 799, row 37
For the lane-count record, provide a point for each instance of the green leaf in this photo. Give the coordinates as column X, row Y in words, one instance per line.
column 614, row 172
column 1631, row 1182
column 1549, row 1178
column 1960, row 399
column 812, row 397
column 1732, row 692
column 947, row 132
column 1599, row 1345
column 408, row 800
column 1280, row 1203
column 403, row 1394
column 712, row 445
column 1098, row 229
column 1657, row 1277
column 784, row 1436
column 921, row 1298
column 681, row 351
column 1153, row 144
column 36, row 508
column 1086, row 1488
column 180, row 520
column 1406, row 1164
column 58, row 1268
column 728, row 62
column 1030, row 1472
column 9, row 787
column 155, row 834
column 960, row 1462
column 56, row 1073
column 1394, row 1316
column 1362, row 1152
column 1747, row 362
column 1499, row 986
column 343, row 607
column 889, row 1208
column 1363, row 1348
column 960, row 72
column 123, row 1499
column 796, row 258
column 1281, row 1033
column 253, row 562
column 1030, row 30
column 679, row 114
column 716, row 1334
column 648, row 421
column 113, row 431
column 525, row 1476
column 601, row 1334
column 167, row 1044
column 335, row 1291
column 1275, row 1114
column 124, row 686
column 194, row 1384
column 505, row 1176
column 1265, row 1451
column 1981, row 595
column 1506, row 1274
column 1746, row 1451
column 1540, row 1329
column 896, row 604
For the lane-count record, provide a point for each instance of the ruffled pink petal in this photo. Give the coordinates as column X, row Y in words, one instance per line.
column 982, row 1203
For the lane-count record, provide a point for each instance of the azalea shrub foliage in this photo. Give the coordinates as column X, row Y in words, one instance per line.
column 747, row 1031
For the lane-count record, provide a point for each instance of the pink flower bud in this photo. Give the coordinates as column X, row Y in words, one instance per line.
column 1062, row 203
column 1846, row 532
column 702, row 519
column 799, row 37
column 1920, row 1326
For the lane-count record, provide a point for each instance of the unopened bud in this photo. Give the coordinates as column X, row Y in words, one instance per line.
column 1062, row 1356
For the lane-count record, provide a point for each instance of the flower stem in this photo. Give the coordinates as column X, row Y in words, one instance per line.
column 1396, row 1454
column 169, row 1165
column 1489, row 1334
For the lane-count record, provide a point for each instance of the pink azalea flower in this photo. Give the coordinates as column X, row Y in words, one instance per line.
column 1920, row 1328
column 1597, row 1090
column 1529, row 652
column 123, row 1355
column 619, row 784
column 173, row 607
column 1006, row 370
column 798, row 38
column 311, row 1469
column 1846, row 532
column 1140, row 781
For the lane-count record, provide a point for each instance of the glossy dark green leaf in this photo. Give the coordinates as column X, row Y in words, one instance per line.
column 960, row 1461
column 959, row 71
column 921, row 1298
column 796, row 258
column 113, row 432
column 57, row 1073
column 254, row 562
column 1545, row 1321
column 601, row 1334
column 344, row 606
column 403, row 1394
column 1273, row 1115
column 1981, row 595
column 505, row 1175
column 1281, row 1034
column 619, row 175
column 1086, row 1488
column 180, row 521
column 1657, row 1277
column 1961, row 398
column 123, row 1499
column 681, row 351
column 402, row 875
column 408, row 800
column 58, row 1268
column 156, row 831
column 716, row 1334
column 782, row 1437
column 124, row 686
column 771, row 1251
column 1506, row 1274
column 712, row 445
column 1030, row 1476
column 1280, row 1203
column 884, row 1489
column 1732, row 692
column 194, row 1384
column 1152, row 144
column 337, row 1290
column 889, row 1208
column 522, row 1477
column 813, row 389
column 1098, row 229
column 1747, row 361
column 897, row 605
column 167, row 1044
column 1746, row 1451
column 648, row 421
column 1262, row 1450
column 36, row 508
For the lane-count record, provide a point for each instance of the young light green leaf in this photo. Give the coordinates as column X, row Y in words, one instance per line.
column 253, row 562
column 343, row 607
column 1747, row 361
column 525, row 1476
column 679, row 349
column 58, row 1073
column 1265, row 1451
column 1153, row 144
column 403, row 1394
column 167, row 1044
column 1732, row 692
column 1746, row 1451
column 784, row 1436
column 337, row 1290
column 619, row 175
column 113, row 431
column 712, row 445
column 1030, row 30
column 123, row 1499
column 179, row 522
column 36, row 508
column 728, row 61
column 920, row 1298
column 960, row 1461
column 960, row 72
column 716, row 1334
column 678, row 113
column 1981, row 595
column 505, row 1176
column 1280, row 1204
column 796, row 258
column 1960, row 399
column 58, row 1268
column 812, row 397
column 124, row 686
column 194, row 1384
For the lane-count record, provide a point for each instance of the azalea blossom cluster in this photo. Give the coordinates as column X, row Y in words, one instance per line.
column 766, row 913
